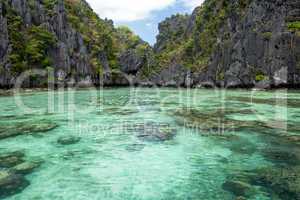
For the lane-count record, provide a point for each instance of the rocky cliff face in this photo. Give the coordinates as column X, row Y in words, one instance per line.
column 261, row 48
column 3, row 43
column 228, row 43
column 68, row 53
column 238, row 43
column 65, row 37
column 171, row 31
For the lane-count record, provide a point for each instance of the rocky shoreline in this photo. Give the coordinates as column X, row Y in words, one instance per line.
column 11, row 92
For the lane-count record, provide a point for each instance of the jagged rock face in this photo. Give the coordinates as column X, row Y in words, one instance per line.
column 69, row 54
column 3, row 32
column 131, row 62
column 254, row 48
column 76, row 55
column 173, row 76
column 259, row 44
column 4, row 42
column 192, row 21
column 171, row 30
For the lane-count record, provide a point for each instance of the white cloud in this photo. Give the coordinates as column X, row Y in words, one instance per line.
column 128, row 10
column 149, row 24
column 192, row 3
column 132, row 10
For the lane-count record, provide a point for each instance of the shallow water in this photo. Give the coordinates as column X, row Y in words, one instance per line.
column 112, row 161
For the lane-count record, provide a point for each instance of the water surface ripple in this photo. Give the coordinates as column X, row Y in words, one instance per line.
column 155, row 144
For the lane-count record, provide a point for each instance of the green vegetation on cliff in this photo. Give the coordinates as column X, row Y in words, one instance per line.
column 38, row 42
column 294, row 26
column 220, row 38
column 127, row 39
column 94, row 41
column 195, row 49
column 101, row 36
column 98, row 34
column 29, row 45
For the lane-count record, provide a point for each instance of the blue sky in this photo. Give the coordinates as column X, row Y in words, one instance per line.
column 147, row 28
column 142, row 16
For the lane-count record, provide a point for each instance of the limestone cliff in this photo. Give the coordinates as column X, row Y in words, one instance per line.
column 225, row 43
column 67, row 38
column 236, row 43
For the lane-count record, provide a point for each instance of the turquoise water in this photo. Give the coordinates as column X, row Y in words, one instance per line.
column 115, row 160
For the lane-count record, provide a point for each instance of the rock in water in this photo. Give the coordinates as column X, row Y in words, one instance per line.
column 283, row 181
column 135, row 147
column 68, row 140
column 23, row 128
column 278, row 156
column 11, row 159
column 153, row 132
column 241, row 198
column 238, row 188
column 11, row 183
column 25, row 168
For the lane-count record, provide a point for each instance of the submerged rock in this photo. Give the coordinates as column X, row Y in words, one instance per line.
column 153, row 132
column 68, row 140
column 281, row 157
column 25, row 167
column 279, row 182
column 294, row 139
column 156, row 136
column 218, row 123
column 238, row 188
column 242, row 146
column 12, row 117
column 39, row 127
column 135, row 147
column 11, row 183
column 118, row 111
column 284, row 182
column 13, row 167
column 77, row 154
column 240, row 198
column 212, row 120
column 11, row 159
column 23, row 128
column 292, row 103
